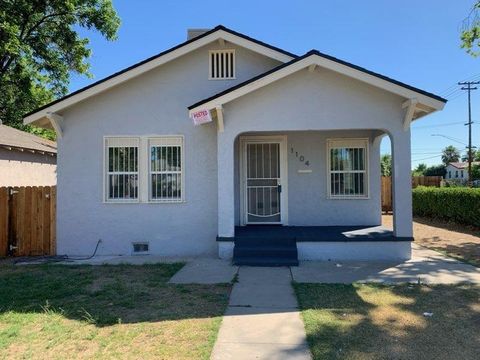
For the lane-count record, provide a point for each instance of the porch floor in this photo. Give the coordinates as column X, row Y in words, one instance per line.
column 317, row 233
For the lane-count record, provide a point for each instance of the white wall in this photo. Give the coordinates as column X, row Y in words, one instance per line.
column 156, row 104
column 320, row 101
column 308, row 203
column 153, row 104
column 23, row 168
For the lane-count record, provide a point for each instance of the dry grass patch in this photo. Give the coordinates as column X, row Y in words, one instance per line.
column 106, row 312
column 367, row 321
column 458, row 241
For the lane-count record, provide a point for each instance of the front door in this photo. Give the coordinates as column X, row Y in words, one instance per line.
column 263, row 182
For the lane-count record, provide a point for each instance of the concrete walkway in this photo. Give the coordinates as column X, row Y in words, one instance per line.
column 426, row 266
column 205, row 271
column 262, row 320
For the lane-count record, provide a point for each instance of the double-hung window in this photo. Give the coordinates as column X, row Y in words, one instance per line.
column 144, row 169
column 166, row 169
column 121, row 176
column 348, row 168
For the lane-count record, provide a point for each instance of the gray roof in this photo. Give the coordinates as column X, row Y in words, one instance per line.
column 13, row 138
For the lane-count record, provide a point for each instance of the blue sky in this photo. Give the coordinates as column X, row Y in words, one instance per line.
column 413, row 41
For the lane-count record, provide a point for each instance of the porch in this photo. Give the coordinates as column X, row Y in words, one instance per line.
column 275, row 245
column 315, row 233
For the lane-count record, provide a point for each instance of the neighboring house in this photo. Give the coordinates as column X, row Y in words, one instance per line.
column 26, row 159
column 458, row 170
column 280, row 139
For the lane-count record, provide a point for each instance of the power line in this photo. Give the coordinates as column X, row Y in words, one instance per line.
column 426, row 158
column 439, row 125
column 453, row 89
column 450, row 138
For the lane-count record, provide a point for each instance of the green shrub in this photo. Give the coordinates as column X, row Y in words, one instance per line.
column 458, row 204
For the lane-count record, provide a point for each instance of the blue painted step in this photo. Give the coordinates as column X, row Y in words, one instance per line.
column 265, row 251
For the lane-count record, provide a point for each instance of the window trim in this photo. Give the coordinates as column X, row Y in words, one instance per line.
column 210, row 52
column 105, row 171
column 148, row 146
column 143, row 170
column 346, row 142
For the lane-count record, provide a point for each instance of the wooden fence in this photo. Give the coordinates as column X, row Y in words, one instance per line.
column 27, row 221
column 426, row 181
column 386, row 194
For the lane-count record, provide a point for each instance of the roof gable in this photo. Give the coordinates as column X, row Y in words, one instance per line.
column 217, row 33
column 427, row 102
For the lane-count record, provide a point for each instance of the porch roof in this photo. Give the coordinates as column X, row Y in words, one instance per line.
column 424, row 102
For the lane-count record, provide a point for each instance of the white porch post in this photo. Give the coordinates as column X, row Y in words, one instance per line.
column 226, row 205
column 402, row 184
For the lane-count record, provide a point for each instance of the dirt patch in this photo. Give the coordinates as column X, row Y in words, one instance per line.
column 458, row 241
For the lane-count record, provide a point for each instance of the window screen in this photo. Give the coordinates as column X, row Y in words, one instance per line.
column 348, row 168
column 121, row 169
column 166, row 169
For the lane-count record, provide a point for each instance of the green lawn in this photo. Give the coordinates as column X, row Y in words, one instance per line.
column 387, row 322
column 106, row 312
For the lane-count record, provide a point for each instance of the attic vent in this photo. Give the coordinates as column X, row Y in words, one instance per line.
column 222, row 64
column 140, row 247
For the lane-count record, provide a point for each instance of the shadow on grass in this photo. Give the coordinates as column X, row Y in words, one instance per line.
column 468, row 252
column 372, row 321
column 109, row 294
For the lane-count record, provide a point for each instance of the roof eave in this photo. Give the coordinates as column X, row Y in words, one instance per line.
column 39, row 116
column 429, row 102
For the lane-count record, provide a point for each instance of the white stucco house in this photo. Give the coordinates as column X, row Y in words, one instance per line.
column 282, row 163
column 458, row 171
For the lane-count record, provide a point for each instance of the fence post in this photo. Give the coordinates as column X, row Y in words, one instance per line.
column 4, row 215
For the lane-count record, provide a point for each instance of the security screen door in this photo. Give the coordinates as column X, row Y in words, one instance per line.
column 263, row 185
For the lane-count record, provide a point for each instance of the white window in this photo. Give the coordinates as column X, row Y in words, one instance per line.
column 121, row 173
column 348, row 168
column 166, row 169
column 221, row 64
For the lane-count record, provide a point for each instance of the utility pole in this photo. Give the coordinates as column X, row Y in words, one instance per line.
column 467, row 85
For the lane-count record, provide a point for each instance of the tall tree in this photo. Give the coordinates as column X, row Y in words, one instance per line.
column 40, row 47
column 450, row 154
column 475, row 155
column 420, row 169
column 386, row 165
column 435, row 170
column 470, row 35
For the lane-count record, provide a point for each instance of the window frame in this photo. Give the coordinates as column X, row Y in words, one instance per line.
column 106, row 172
column 346, row 143
column 232, row 51
column 175, row 140
column 143, row 169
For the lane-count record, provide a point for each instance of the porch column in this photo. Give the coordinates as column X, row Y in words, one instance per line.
column 226, row 205
column 402, row 184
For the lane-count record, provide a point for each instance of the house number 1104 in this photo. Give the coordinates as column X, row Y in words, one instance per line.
column 301, row 158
